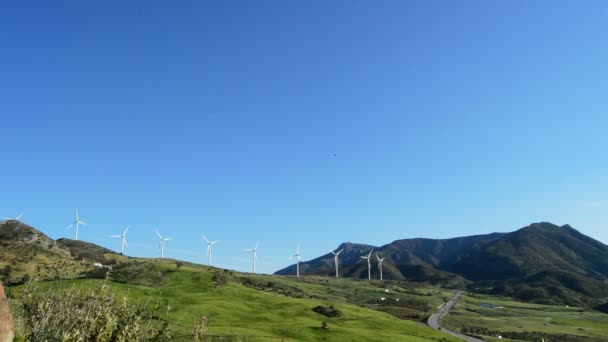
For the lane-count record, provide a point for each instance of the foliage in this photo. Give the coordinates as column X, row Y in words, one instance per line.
column 328, row 311
column 95, row 315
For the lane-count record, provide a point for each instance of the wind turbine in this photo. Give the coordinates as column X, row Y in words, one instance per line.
column 123, row 239
column 162, row 244
column 369, row 265
column 209, row 244
column 254, row 251
column 297, row 256
column 380, row 261
column 13, row 219
column 76, row 223
column 336, row 259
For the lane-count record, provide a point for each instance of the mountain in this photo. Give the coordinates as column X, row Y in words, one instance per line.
column 27, row 253
column 412, row 259
column 541, row 262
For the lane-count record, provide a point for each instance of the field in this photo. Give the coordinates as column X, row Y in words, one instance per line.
column 265, row 307
column 525, row 321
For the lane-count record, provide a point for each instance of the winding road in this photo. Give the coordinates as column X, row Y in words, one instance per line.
column 435, row 320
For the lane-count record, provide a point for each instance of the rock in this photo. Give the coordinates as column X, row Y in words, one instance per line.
column 6, row 320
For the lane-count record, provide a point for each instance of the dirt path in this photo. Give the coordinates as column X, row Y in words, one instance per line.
column 6, row 320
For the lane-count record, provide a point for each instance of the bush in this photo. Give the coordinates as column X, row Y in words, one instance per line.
column 98, row 315
column 328, row 311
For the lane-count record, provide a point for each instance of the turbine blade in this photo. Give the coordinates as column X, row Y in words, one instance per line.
column 18, row 217
column 116, row 236
column 160, row 236
column 204, row 237
column 340, row 251
column 257, row 245
column 167, row 239
column 126, row 230
column 125, row 241
column 70, row 226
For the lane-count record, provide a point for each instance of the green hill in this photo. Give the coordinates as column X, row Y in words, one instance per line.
column 246, row 307
column 26, row 252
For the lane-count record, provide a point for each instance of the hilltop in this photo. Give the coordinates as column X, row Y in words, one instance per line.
column 27, row 253
column 542, row 262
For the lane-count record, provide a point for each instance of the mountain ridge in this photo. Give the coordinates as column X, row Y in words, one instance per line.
column 573, row 266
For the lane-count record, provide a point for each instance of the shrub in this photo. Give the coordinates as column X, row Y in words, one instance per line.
column 98, row 315
column 328, row 311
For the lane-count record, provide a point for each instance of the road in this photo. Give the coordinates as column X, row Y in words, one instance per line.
column 435, row 320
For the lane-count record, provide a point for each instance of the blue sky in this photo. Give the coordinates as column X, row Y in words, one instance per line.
column 312, row 121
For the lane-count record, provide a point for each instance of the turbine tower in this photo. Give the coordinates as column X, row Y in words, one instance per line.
column 123, row 241
column 380, row 261
column 76, row 223
column 209, row 244
column 13, row 219
column 369, row 265
column 254, row 252
column 162, row 244
column 336, row 259
column 297, row 256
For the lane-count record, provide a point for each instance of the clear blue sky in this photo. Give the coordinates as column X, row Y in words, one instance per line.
column 311, row 121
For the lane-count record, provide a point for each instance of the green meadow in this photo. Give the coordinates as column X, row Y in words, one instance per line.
column 250, row 307
column 526, row 321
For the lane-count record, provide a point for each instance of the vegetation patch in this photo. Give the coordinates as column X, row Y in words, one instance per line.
column 96, row 315
column 328, row 311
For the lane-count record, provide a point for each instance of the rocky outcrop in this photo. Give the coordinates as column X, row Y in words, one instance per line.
column 6, row 320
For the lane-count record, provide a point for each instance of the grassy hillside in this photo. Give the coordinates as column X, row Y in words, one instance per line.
column 266, row 308
column 26, row 252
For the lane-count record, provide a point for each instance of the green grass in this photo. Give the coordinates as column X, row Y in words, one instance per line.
column 559, row 323
column 266, row 314
column 267, row 307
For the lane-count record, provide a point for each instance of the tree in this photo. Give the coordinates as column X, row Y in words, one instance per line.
column 6, row 273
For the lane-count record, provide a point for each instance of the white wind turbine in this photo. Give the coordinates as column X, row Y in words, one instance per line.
column 297, row 256
column 380, row 261
column 369, row 265
column 336, row 259
column 209, row 244
column 254, row 252
column 123, row 239
column 162, row 244
column 13, row 219
column 76, row 223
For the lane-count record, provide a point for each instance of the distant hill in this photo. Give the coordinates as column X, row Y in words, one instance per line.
column 542, row 262
column 26, row 253
column 411, row 259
